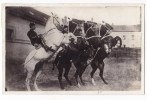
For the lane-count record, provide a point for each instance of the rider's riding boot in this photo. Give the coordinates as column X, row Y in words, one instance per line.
column 48, row 49
column 45, row 46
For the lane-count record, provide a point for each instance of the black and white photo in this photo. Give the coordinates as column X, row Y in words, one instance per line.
column 76, row 48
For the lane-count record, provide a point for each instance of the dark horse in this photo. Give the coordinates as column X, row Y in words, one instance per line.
column 102, row 48
column 76, row 54
column 63, row 61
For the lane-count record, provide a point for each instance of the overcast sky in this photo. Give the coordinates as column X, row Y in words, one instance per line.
column 116, row 15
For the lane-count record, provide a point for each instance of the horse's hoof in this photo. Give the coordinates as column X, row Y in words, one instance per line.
column 62, row 88
column 106, row 83
column 79, row 86
column 70, row 84
column 93, row 82
column 38, row 89
column 84, row 84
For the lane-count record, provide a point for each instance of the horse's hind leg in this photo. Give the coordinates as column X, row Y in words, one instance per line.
column 28, row 80
column 36, row 74
column 101, row 67
column 66, row 74
column 60, row 69
column 94, row 68
column 81, row 73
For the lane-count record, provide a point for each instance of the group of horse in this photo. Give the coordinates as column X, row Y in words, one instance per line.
column 80, row 51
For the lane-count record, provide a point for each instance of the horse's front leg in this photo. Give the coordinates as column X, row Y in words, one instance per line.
column 76, row 77
column 28, row 80
column 101, row 67
column 81, row 73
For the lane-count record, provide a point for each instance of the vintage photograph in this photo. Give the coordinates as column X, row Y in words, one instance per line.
column 96, row 48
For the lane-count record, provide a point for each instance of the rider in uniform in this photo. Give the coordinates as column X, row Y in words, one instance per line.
column 36, row 40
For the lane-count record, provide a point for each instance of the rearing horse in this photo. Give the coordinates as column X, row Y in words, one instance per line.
column 102, row 48
column 34, row 61
column 76, row 53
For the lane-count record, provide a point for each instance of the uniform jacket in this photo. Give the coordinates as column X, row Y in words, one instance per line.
column 33, row 37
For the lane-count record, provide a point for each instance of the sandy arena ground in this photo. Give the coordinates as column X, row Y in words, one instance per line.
column 122, row 74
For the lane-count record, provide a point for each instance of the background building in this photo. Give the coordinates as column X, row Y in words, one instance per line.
column 130, row 35
column 17, row 25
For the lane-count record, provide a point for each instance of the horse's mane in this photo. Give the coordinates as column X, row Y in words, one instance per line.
column 102, row 30
column 88, row 31
column 49, row 24
column 72, row 26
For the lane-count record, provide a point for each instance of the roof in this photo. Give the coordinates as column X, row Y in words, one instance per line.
column 29, row 14
column 127, row 28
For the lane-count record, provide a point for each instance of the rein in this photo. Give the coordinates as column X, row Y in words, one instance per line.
column 93, row 57
column 105, row 36
column 91, row 37
column 89, row 28
column 75, row 28
column 48, row 31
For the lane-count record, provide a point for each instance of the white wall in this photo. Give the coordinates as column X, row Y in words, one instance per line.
column 17, row 51
column 21, row 27
column 128, row 41
column 20, row 49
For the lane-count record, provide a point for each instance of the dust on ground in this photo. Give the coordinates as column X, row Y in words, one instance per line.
column 122, row 74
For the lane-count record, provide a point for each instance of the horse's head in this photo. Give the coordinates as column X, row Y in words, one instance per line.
column 72, row 38
column 69, row 38
column 54, row 36
column 117, row 41
column 53, row 22
column 109, row 42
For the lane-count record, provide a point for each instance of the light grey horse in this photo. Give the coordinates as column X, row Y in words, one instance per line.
column 54, row 38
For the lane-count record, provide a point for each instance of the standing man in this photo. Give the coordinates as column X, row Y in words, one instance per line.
column 36, row 40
